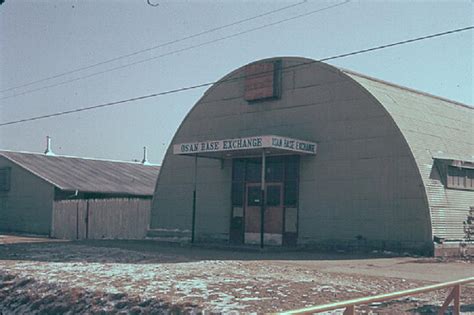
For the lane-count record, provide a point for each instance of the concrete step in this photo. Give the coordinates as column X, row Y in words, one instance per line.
column 169, row 235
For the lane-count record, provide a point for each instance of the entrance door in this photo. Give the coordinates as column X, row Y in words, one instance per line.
column 273, row 226
column 273, row 216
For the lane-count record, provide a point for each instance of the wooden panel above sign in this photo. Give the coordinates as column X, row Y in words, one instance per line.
column 262, row 81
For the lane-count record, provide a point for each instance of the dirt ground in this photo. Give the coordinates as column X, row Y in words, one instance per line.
column 132, row 277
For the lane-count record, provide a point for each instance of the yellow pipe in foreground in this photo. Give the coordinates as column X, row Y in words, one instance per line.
column 378, row 298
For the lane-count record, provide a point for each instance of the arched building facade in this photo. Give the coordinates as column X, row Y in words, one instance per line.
column 348, row 160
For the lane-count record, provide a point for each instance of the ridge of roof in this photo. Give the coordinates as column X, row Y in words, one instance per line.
column 401, row 87
column 86, row 174
column 79, row 157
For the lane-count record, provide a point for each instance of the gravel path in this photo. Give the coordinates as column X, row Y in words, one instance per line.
column 77, row 277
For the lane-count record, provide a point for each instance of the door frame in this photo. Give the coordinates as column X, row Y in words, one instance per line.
column 238, row 186
column 269, row 238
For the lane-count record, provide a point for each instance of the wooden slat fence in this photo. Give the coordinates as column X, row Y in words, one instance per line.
column 118, row 218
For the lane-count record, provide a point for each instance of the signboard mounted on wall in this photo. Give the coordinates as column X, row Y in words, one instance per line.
column 263, row 81
column 278, row 143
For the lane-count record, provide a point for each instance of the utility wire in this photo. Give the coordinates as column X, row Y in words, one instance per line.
column 156, row 46
column 357, row 52
column 77, row 110
column 180, row 50
column 399, row 43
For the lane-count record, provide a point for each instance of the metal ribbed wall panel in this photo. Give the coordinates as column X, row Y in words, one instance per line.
column 432, row 126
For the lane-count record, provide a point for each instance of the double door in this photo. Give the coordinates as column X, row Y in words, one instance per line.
column 272, row 215
column 281, row 201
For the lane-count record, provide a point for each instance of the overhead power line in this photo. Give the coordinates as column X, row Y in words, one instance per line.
column 179, row 50
column 141, row 51
column 77, row 110
column 357, row 52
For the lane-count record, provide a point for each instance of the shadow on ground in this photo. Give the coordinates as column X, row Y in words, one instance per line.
column 147, row 251
column 433, row 309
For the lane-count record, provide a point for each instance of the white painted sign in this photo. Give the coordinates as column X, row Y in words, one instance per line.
column 248, row 143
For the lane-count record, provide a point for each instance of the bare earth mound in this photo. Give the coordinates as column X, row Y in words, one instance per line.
column 145, row 277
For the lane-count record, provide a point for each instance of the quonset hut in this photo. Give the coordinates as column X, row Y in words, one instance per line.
column 348, row 160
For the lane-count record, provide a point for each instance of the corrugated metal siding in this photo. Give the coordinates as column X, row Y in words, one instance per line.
column 362, row 183
column 432, row 125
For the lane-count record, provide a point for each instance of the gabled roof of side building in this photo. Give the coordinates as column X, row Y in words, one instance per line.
column 88, row 175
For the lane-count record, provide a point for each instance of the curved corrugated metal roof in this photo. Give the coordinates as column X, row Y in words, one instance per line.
column 88, row 175
column 432, row 127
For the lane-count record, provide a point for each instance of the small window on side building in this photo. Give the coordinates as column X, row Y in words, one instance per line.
column 460, row 178
column 5, row 179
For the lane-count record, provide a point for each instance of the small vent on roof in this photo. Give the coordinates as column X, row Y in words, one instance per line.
column 48, row 150
column 145, row 157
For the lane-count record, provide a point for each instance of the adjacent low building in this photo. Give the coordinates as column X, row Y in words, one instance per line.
column 73, row 197
column 290, row 151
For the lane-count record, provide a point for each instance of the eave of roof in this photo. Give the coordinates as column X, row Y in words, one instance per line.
column 450, row 157
column 405, row 88
column 70, row 173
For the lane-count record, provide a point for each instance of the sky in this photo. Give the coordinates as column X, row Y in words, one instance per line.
column 43, row 38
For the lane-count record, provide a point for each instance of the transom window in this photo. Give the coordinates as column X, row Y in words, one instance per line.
column 279, row 169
